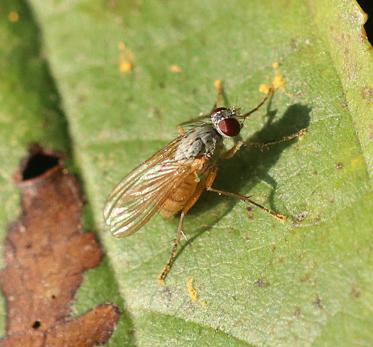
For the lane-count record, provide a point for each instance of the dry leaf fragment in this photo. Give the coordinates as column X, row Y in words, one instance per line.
column 46, row 253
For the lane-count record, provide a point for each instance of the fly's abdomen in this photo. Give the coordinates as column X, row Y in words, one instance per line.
column 179, row 196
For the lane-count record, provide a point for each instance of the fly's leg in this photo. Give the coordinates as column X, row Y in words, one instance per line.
column 219, row 99
column 232, row 151
column 265, row 145
column 208, row 181
column 274, row 214
column 171, row 259
column 256, row 108
column 262, row 145
column 180, row 130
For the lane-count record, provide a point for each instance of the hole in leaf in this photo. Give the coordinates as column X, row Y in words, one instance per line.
column 36, row 324
column 367, row 6
column 37, row 164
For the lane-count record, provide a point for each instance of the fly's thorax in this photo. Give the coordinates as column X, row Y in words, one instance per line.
column 201, row 140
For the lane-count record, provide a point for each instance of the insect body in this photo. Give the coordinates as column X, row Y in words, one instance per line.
column 173, row 179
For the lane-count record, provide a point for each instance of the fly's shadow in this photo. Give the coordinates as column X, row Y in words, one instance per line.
column 249, row 166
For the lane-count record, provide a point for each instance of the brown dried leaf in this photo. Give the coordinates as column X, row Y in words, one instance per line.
column 46, row 255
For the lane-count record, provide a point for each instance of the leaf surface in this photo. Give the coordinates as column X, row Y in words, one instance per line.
column 259, row 282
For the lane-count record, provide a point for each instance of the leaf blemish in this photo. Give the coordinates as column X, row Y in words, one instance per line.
column 191, row 290
column 261, row 283
column 278, row 81
column 46, row 253
column 367, row 29
column 13, row 16
column 355, row 292
column 317, row 302
column 38, row 163
column 367, row 94
column 300, row 217
column 126, row 59
column 175, row 68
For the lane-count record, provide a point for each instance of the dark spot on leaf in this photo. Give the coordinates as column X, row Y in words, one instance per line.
column 36, row 325
column 281, row 260
column 317, row 302
column 297, row 311
column 339, row 166
column 367, row 6
column 38, row 163
column 261, row 283
column 306, row 277
column 367, row 94
column 250, row 213
column 300, row 217
column 156, row 112
column 54, row 252
column 355, row 292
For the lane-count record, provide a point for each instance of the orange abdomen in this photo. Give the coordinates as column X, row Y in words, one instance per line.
column 181, row 196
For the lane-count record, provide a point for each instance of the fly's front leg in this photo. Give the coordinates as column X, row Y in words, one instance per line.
column 232, row 151
column 265, row 145
column 180, row 130
column 219, row 99
column 262, row 145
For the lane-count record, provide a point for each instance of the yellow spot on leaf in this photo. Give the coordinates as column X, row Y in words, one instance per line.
column 191, row 290
column 175, row 68
column 126, row 58
column 278, row 82
column 125, row 67
column 203, row 303
column 13, row 16
column 265, row 88
column 121, row 46
column 356, row 162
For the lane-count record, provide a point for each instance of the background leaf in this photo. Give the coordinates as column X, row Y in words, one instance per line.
column 30, row 113
column 259, row 282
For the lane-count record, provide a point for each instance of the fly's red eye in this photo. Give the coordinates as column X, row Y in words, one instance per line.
column 218, row 109
column 229, row 127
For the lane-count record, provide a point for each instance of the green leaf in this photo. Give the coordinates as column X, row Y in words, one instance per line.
column 30, row 113
column 259, row 282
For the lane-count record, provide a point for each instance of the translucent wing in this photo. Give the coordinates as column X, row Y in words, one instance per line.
column 143, row 191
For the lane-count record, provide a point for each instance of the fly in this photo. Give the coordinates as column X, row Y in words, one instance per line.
column 173, row 179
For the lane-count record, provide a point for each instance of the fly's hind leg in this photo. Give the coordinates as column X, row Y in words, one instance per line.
column 171, row 259
column 245, row 198
column 210, row 181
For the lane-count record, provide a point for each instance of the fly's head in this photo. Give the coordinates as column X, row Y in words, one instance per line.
column 225, row 121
